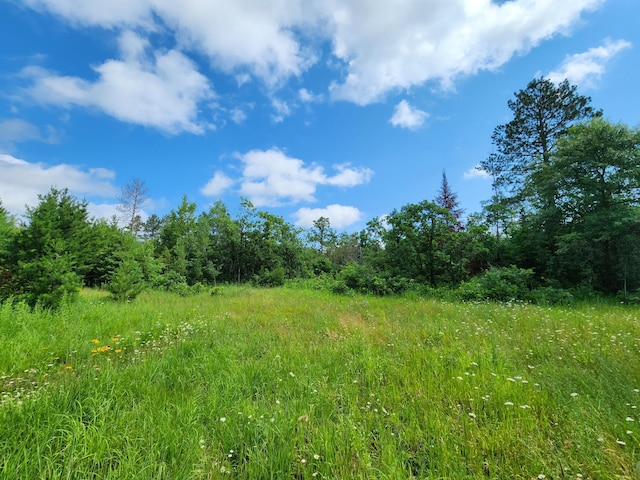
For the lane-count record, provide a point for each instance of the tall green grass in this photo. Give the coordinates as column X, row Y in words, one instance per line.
column 301, row 384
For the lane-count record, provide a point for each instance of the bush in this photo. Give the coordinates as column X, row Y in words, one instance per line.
column 551, row 296
column 215, row 291
column 174, row 282
column 170, row 281
column 500, row 284
column 270, row 278
column 364, row 279
column 339, row 287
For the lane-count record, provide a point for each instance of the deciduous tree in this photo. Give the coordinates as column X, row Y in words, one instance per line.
column 131, row 200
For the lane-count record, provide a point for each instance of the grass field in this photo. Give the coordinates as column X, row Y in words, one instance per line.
column 292, row 384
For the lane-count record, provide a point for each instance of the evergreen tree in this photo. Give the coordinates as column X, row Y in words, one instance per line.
column 51, row 254
column 448, row 199
column 542, row 113
column 7, row 231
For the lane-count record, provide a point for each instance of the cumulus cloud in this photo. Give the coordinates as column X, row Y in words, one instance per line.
column 476, row 172
column 218, row 184
column 348, row 176
column 586, row 68
column 401, row 44
column 340, row 216
column 271, row 178
column 378, row 46
column 160, row 90
column 406, row 116
column 22, row 181
column 248, row 34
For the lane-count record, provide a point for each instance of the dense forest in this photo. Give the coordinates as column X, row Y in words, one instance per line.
column 563, row 222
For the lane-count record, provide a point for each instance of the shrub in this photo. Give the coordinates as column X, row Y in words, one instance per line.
column 500, row 284
column 364, row 279
column 215, row 291
column 270, row 278
column 339, row 287
column 170, row 280
column 551, row 296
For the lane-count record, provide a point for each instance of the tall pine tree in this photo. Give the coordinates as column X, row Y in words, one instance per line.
column 448, row 199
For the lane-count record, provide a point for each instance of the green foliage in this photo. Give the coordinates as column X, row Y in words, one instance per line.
column 363, row 279
column 215, row 291
column 420, row 244
column 108, row 242
column 270, row 278
column 552, row 296
column 596, row 170
column 7, row 231
column 171, row 281
column 49, row 282
column 542, row 113
column 501, row 284
column 127, row 281
column 51, row 254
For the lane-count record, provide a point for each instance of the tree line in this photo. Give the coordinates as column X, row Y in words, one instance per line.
column 564, row 216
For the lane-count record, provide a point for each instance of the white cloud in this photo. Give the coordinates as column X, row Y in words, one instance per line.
column 308, row 97
column 243, row 78
column 22, row 181
column 349, row 177
column 107, row 14
column 16, row 130
column 282, row 109
column 391, row 45
column 340, row 216
column 248, row 34
column 238, row 116
column 476, row 172
column 217, row 185
column 162, row 90
column 380, row 46
column 271, row 178
column 586, row 68
column 406, row 116
column 108, row 211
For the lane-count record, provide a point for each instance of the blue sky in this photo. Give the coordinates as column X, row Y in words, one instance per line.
column 340, row 108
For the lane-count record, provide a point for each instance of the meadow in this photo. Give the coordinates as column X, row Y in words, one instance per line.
column 295, row 384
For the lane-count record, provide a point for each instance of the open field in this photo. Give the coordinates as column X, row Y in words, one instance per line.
column 289, row 383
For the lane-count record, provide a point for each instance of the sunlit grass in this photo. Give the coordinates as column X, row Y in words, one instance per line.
column 302, row 384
